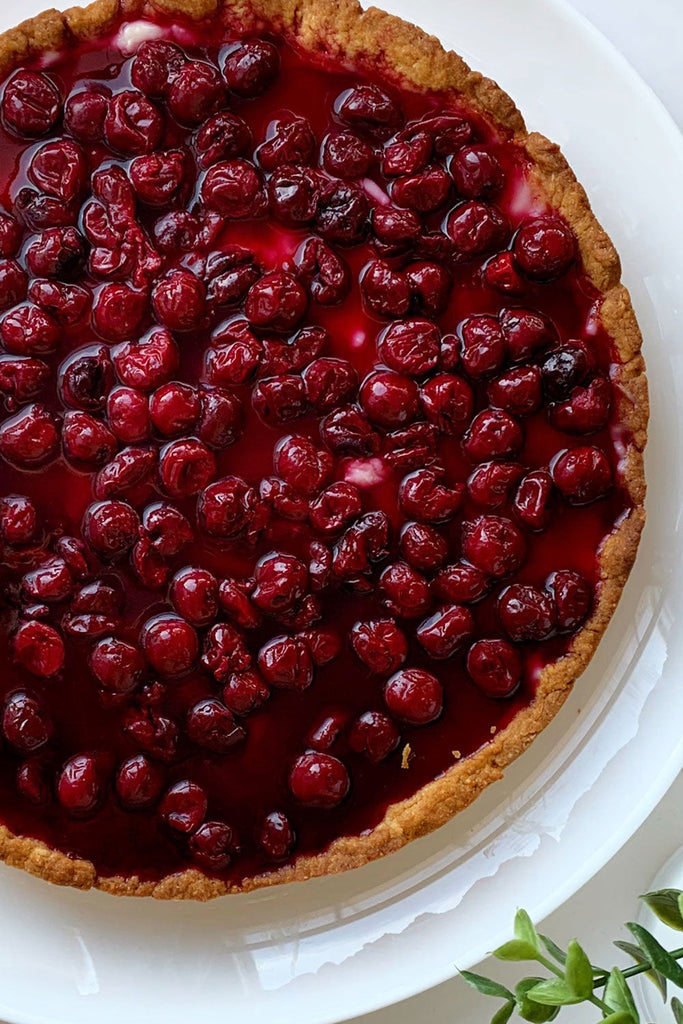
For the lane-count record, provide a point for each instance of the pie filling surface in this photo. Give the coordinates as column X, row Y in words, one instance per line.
column 308, row 447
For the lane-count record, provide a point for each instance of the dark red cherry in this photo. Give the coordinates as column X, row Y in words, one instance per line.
column 80, row 785
column 174, row 408
column 281, row 582
column 289, row 141
column 128, row 415
column 194, row 593
column 491, row 482
column 250, row 67
column 148, row 363
column 532, row 500
column 444, row 632
column 58, row 168
column 493, row 434
column 424, row 191
column 245, row 691
column 212, row 845
column 375, row 735
column 277, row 301
column 212, row 726
column 39, row 648
column 335, row 507
column 186, row 467
column 386, row 292
column 18, row 519
column 13, row 284
column 319, row 780
column 234, row 189
column 225, row 651
column 545, row 248
column 476, row 172
column 380, row 645
column 460, row 583
column 586, row 411
column 493, row 544
column 582, row 474
column 280, row 399
column 285, row 663
column 329, row 383
column 422, row 546
column 86, row 439
column 30, row 437
column 389, row 399
column 30, row 104
column 169, row 644
column 323, row 271
column 111, row 528
column 410, row 346
column 84, row 113
column 573, row 598
column 422, row 496
column 222, row 137
column 369, row 108
column 501, row 273
column 183, row 806
column 346, row 155
column 527, row 332
column 116, row 665
column 405, row 592
column 448, row 402
column 25, row 723
column 156, row 64
column 196, row 93
column 132, row 123
column 414, row 695
column 225, row 508
column 526, row 613
column 495, row 666
column 139, row 783
column 483, row 346
column 518, row 391
column 476, row 228
column 276, row 836
column 302, row 465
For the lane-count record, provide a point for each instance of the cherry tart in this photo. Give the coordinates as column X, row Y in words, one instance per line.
column 321, row 441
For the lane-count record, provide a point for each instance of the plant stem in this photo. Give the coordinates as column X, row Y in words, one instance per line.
column 631, row 972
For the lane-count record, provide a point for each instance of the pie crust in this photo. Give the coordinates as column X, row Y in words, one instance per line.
column 404, row 52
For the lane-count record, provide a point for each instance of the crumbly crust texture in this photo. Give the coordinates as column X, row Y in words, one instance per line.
column 342, row 30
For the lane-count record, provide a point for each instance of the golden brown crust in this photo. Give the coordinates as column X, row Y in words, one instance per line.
column 342, row 29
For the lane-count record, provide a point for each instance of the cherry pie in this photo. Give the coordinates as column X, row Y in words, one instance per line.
column 323, row 413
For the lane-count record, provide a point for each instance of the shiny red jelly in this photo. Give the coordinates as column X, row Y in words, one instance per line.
column 306, row 451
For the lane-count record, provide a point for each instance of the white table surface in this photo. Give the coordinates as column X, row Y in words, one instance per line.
column 650, row 35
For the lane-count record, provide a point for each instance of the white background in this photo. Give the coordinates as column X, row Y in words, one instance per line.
column 650, row 34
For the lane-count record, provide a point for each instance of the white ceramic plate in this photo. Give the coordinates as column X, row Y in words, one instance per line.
column 337, row 947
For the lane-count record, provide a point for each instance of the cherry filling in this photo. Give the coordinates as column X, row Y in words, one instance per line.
column 308, row 447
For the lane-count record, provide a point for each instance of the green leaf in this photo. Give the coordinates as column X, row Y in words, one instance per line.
column 502, row 1016
column 665, row 903
column 677, row 1009
column 578, row 971
column 516, row 949
column 555, row 992
column 618, row 995
column 487, row 986
column 617, row 1018
column 554, row 950
column 636, row 952
column 660, row 959
column 524, row 929
column 527, row 1009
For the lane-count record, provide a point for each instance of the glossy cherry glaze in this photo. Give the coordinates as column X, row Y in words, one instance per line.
column 135, row 760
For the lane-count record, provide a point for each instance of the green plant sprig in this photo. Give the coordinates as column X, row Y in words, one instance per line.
column 574, row 979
